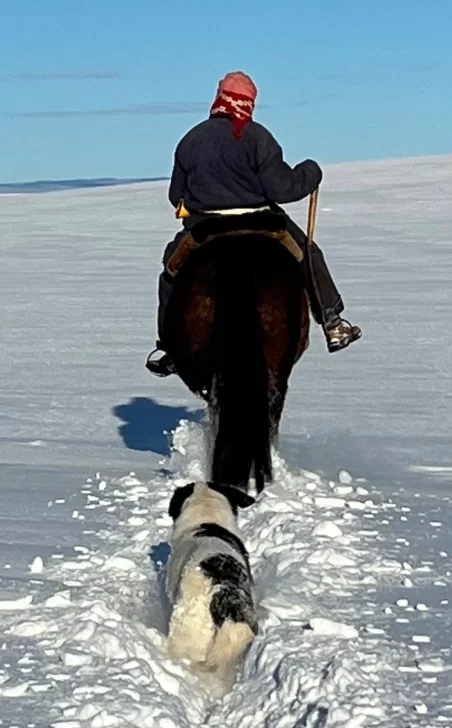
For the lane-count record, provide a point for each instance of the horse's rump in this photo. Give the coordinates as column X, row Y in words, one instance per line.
column 236, row 322
column 270, row 271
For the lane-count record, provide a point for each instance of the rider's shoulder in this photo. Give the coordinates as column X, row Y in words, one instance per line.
column 258, row 127
column 196, row 130
column 259, row 135
column 257, row 130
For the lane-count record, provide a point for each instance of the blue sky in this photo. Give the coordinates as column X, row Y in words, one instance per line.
column 90, row 88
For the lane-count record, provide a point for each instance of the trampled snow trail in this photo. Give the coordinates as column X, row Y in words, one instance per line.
column 354, row 572
column 88, row 649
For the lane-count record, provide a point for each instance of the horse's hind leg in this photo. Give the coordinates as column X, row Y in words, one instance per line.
column 276, row 397
column 212, row 431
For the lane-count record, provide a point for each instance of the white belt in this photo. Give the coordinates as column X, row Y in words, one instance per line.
column 236, row 211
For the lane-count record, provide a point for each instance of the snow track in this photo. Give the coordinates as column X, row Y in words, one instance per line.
column 88, row 643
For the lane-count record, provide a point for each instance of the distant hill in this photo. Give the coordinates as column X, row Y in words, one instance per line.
column 70, row 184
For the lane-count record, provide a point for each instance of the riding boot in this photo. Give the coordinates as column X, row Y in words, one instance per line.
column 162, row 367
column 340, row 333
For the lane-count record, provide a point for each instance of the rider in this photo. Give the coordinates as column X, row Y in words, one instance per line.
column 230, row 164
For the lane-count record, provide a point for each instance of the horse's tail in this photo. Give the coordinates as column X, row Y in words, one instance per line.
column 241, row 385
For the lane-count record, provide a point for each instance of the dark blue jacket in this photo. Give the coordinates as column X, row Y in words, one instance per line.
column 213, row 170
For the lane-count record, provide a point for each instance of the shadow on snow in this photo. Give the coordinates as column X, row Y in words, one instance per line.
column 145, row 423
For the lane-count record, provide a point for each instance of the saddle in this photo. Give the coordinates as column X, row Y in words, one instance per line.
column 268, row 224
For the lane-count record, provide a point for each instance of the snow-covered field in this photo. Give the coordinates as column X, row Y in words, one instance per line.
column 350, row 548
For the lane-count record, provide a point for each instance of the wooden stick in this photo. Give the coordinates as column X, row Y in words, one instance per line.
column 312, row 214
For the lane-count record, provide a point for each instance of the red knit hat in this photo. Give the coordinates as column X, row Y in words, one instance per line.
column 235, row 99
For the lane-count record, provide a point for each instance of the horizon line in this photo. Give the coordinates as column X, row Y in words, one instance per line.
column 106, row 180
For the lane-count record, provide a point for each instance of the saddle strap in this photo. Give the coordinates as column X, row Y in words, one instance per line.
column 188, row 244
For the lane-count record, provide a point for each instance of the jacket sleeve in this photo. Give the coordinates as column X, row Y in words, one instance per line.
column 177, row 184
column 280, row 182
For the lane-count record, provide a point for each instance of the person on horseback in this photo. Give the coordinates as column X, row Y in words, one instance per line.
column 230, row 164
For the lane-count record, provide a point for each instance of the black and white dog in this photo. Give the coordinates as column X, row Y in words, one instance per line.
column 209, row 583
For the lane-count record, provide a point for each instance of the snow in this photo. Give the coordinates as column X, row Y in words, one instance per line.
column 328, row 529
column 349, row 547
column 37, row 566
column 332, row 629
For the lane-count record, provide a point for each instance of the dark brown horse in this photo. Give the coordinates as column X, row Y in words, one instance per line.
column 236, row 323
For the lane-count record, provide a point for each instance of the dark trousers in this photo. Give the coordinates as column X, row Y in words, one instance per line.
column 324, row 298
column 166, row 283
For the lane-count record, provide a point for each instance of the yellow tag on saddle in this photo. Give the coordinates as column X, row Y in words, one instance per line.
column 181, row 211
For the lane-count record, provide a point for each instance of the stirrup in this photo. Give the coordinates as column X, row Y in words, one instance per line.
column 162, row 367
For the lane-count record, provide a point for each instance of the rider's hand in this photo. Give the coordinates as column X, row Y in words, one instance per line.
column 314, row 169
column 312, row 173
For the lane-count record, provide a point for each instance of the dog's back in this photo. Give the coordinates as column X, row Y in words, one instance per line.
column 210, row 585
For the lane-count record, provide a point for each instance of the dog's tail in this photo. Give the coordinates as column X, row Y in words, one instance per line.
column 228, row 648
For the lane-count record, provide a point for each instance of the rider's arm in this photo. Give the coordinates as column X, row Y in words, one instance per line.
column 280, row 182
column 177, row 184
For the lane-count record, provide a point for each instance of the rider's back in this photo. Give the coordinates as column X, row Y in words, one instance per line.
column 214, row 170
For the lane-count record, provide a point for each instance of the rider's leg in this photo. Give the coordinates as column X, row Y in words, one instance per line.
column 165, row 286
column 163, row 366
column 325, row 299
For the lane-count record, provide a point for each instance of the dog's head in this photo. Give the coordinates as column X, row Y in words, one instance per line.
column 236, row 498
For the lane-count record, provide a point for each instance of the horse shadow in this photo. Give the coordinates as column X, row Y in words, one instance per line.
column 146, row 424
